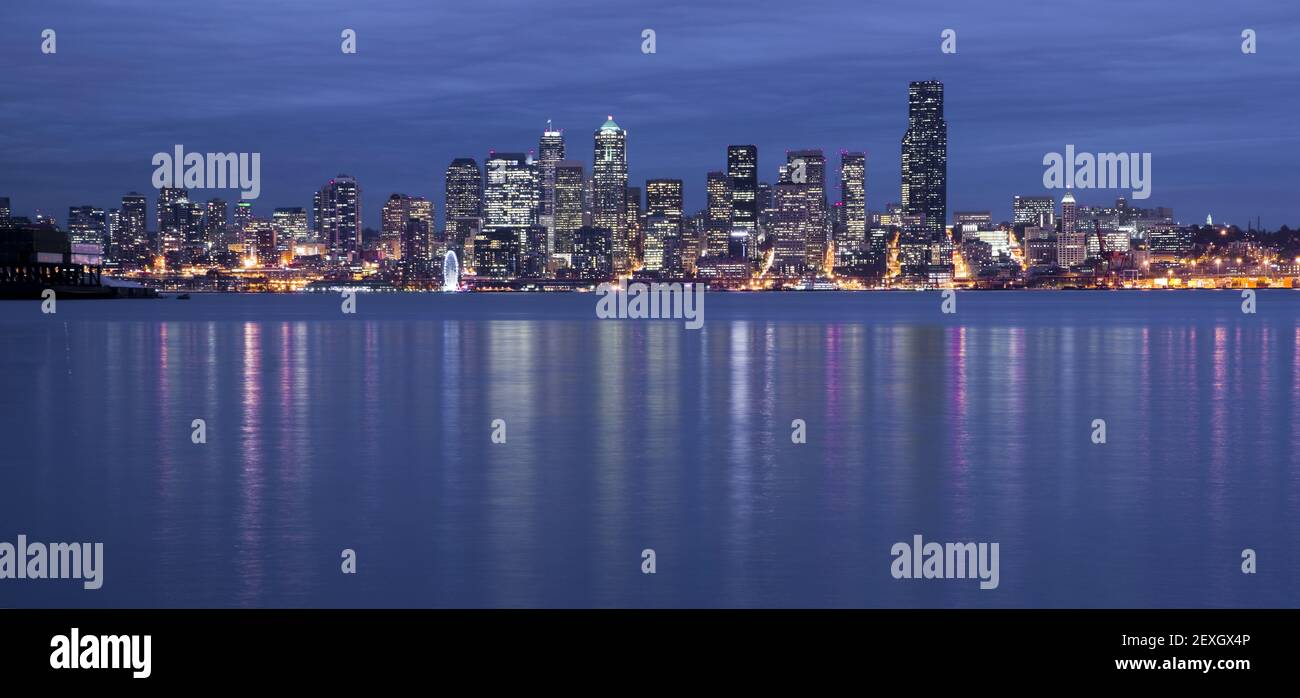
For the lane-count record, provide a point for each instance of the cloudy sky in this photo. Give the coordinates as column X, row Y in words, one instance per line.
column 437, row 79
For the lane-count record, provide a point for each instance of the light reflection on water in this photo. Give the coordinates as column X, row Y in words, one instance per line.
column 373, row 433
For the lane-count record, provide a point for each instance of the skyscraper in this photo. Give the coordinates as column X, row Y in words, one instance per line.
column 337, row 217
column 5, row 212
column 609, row 190
column 417, row 237
column 742, row 178
column 464, row 207
column 568, row 207
column 510, row 191
column 392, row 224
column 807, row 169
column 243, row 215
column 789, row 221
column 925, row 158
column 170, row 232
column 1068, row 213
column 292, row 223
column 550, row 151
column 663, row 225
column 132, row 238
column 87, row 225
column 632, row 215
column 717, row 221
column 507, row 246
column 853, row 193
column 215, row 215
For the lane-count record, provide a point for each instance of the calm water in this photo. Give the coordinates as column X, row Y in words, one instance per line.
column 372, row 432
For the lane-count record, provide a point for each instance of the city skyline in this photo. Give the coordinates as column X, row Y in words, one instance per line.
column 680, row 111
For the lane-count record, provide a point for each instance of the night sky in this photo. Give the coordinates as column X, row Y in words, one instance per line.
column 433, row 80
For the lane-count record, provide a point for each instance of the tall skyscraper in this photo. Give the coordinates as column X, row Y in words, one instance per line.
column 464, row 207
column 742, row 178
column 1068, row 213
column 663, row 235
column 510, row 191
column 925, row 157
column 170, row 223
column 215, row 218
column 507, row 245
column 550, row 151
column 853, row 194
column 568, row 207
column 392, row 224
column 132, row 238
column 632, row 215
column 243, row 215
column 5, row 212
column 717, row 216
column 337, row 217
column 807, row 169
column 789, row 223
column 609, row 190
column 417, row 237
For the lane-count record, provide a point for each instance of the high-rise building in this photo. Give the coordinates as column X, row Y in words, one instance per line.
column 336, row 213
column 789, row 223
column 87, row 225
column 5, row 212
column 131, row 238
column 292, row 224
column 260, row 245
column 550, row 151
column 592, row 253
column 215, row 219
column 510, row 191
column 913, row 245
column 464, row 207
column 925, row 157
column 243, row 215
column 633, row 214
column 1069, row 217
column 1029, row 210
column 807, row 169
column 392, row 225
column 853, row 193
column 1071, row 247
column 417, row 246
column 976, row 220
column 170, row 224
column 717, row 217
column 663, row 237
column 1169, row 241
column 567, row 216
column 609, row 190
column 742, row 179
column 510, row 196
column 464, row 189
